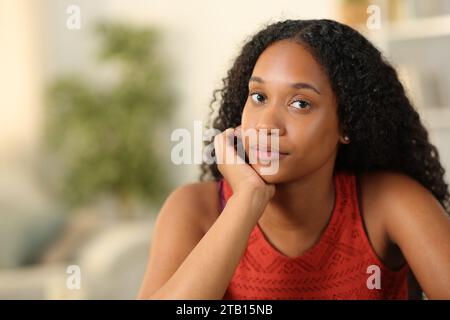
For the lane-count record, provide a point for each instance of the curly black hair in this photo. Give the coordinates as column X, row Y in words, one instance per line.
column 385, row 130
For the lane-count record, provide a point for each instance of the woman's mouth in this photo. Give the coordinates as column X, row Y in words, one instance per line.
column 266, row 154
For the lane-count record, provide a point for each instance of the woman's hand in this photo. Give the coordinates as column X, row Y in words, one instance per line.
column 231, row 164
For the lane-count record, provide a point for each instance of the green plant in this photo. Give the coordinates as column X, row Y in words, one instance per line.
column 105, row 138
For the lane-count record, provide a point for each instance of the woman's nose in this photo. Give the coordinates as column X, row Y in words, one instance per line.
column 269, row 119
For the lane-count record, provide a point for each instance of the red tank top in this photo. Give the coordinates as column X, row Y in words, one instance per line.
column 336, row 267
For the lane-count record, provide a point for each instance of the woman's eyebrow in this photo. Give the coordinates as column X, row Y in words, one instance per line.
column 297, row 85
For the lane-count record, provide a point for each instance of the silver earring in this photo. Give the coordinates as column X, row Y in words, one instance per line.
column 346, row 139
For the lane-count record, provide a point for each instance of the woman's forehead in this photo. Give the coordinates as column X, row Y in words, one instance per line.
column 286, row 62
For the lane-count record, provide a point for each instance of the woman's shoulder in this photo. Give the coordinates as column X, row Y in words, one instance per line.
column 381, row 192
column 383, row 196
column 384, row 183
column 200, row 200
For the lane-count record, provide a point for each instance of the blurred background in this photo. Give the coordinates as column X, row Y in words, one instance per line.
column 90, row 92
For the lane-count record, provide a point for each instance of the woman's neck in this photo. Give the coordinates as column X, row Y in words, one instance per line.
column 304, row 205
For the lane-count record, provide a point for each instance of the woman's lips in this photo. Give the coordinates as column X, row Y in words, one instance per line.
column 268, row 154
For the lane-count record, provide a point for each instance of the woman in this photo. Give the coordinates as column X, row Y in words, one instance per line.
column 358, row 200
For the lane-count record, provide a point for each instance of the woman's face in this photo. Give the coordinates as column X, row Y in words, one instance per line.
column 305, row 114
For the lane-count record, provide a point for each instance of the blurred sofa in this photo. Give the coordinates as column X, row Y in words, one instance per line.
column 38, row 242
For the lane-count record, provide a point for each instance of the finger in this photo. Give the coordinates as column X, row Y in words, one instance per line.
column 224, row 146
column 230, row 151
column 219, row 147
column 238, row 132
column 230, row 135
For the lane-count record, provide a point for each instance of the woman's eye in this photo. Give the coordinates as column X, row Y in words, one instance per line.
column 257, row 97
column 297, row 104
column 301, row 104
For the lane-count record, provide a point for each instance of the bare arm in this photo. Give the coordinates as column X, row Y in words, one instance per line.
column 419, row 225
column 208, row 268
column 188, row 264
